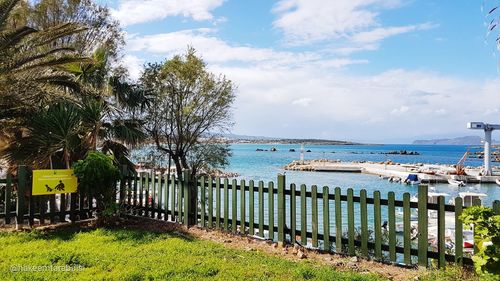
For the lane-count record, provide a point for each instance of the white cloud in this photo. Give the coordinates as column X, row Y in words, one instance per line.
column 302, row 102
column 131, row 12
column 381, row 33
column 134, row 65
column 354, row 21
column 215, row 50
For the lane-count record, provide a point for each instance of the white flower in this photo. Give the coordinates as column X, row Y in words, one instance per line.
column 487, row 244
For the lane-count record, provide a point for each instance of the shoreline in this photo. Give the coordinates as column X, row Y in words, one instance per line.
column 427, row 173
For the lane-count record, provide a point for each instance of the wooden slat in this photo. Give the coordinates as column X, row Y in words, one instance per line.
column 173, row 197
column 314, row 211
column 392, row 226
column 364, row 223
column 217, row 203
column 261, row 208
column 180, row 202
column 242, row 207
column 377, row 225
column 202, row 201
column 21, row 189
column 441, row 232
column 326, row 220
column 422, row 226
column 210, row 203
column 270, row 201
column 167, row 196
column 350, row 222
column 159, row 199
column 303, row 214
column 459, row 239
column 281, row 208
column 251, row 203
column 234, row 204
column 147, row 195
column 153, row 194
column 293, row 213
column 338, row 221
column 8, row 196
column 406, row 228
column 226, row 205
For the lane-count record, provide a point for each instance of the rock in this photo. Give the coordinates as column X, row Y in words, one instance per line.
column 227, row 241
column 354, row 259
column 301, row 254
column 291, row 150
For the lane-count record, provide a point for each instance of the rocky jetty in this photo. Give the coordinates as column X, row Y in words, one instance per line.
column 401, row 152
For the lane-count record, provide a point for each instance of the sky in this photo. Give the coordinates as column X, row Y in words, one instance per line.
column 385, row 71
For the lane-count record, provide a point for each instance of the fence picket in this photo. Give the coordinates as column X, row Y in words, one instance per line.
column 261, row 208
column 422, row 226
column 326, row 219
column 392, row 226
column 406, row 228
column 303, row 215
column 293, row 213
column 251, row 205
column 270, row 201
column 234, row 204
column 441, row 230
column 377, row 225
column 281, row 208
column 338, row 221
column 459, row 239
column 350, row 222
column 242, row 207
column 202, row 201
column 364, row 223
column 226, row 205
column 217, row 203
column 314, row 211
column 8, row 196
column 210, row 203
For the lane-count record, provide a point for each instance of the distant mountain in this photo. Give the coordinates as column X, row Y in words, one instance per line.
column 260, row 139
column 468, row 140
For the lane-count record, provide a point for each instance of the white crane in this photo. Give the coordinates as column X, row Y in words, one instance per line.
column 488, row 128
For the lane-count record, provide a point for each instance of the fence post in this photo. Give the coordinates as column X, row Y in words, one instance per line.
column 21, row 189
column 190, row 198
column 496, row 207
column 122, row 183
column 422, row 226
column 281, row 208
column 8, row 196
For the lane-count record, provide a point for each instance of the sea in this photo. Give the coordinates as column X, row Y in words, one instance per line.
column 255, row 165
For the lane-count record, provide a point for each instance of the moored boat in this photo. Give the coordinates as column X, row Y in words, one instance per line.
column 497, row 181
column 456, row 182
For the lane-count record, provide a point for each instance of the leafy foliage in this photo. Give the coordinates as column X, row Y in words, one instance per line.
column 190, row 106
column 98, row 174
column 487, row 239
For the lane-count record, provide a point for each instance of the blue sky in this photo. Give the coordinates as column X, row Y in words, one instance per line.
column 364, row 70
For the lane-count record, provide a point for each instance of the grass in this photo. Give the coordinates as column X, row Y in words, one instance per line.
column 121, row 254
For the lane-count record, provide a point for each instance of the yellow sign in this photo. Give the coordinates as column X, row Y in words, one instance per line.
column 53, row 182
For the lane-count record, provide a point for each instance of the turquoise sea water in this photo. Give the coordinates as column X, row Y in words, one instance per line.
column 265, row 165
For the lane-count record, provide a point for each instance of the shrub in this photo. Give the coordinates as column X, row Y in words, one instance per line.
column 98, row 174
column 487, row 239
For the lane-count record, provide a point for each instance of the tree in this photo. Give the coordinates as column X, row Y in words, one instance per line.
column 190, row 106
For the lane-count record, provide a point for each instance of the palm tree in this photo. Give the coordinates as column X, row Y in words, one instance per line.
column 30, row 77
column 52, row 134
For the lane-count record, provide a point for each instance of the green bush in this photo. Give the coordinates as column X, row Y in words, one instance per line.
column 487, row 239
column 98, row 174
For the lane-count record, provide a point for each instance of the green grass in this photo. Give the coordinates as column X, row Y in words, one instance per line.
column 119, row 254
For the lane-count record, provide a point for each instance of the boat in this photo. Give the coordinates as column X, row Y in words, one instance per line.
column 412, row 179
column 456, row 182
column 497, row 181
column 469, row 197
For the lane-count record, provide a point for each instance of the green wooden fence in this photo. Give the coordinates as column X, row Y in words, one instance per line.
column 327, row 219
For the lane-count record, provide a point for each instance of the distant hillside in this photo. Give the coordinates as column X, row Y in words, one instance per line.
column 259, row 139
column 468, row 140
